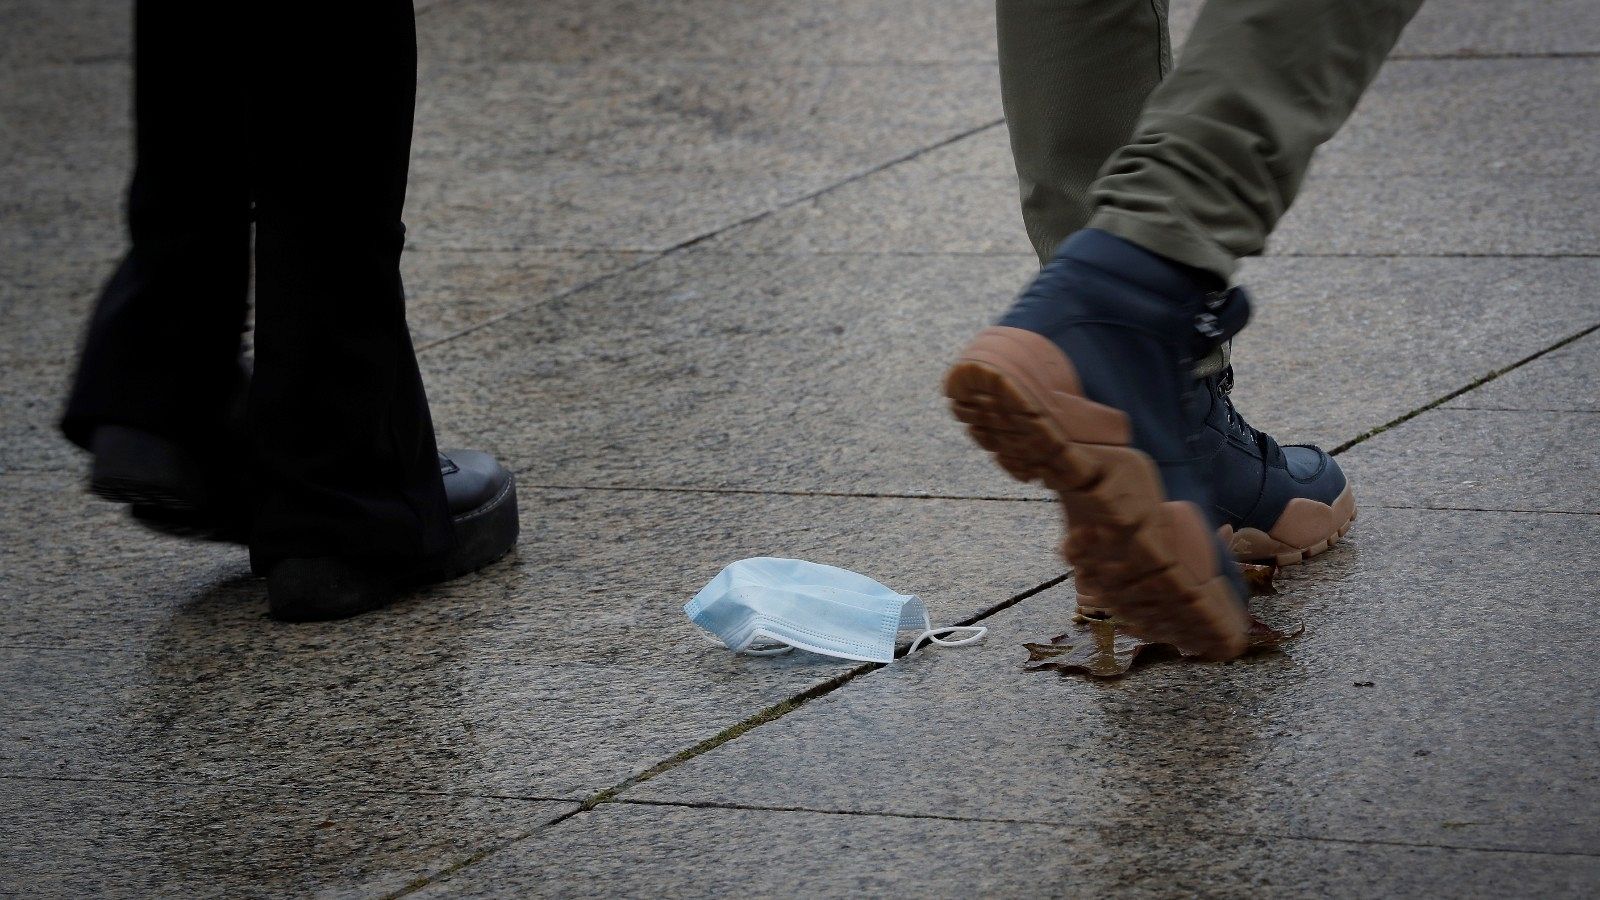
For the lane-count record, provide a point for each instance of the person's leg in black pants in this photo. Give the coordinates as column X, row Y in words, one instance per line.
column 337, row 408
column 303, row 110
column 162, row 352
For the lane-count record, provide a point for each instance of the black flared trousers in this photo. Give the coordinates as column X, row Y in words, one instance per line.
column 297, row 116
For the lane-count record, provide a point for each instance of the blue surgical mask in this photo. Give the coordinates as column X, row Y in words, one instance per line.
column 813, row 607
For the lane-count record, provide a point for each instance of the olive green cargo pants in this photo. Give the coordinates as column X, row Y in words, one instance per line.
column 1196, row 163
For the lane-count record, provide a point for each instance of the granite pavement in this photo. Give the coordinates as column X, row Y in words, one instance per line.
column 692, row 268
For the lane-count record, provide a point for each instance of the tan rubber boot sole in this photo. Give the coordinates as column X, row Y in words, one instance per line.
column 1153, row 561
column 1306, row 527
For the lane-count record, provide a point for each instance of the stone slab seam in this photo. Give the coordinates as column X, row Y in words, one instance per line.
column 1483, row 509
column 723, row 229
column 1358, row 439
column 732, row 732
column 765, row 492
column 1500, row 54
column 779, row 710
column 238, row 784
column 1064, row 826
column 1475, row 383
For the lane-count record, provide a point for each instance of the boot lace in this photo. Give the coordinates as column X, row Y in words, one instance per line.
column 1270, row 450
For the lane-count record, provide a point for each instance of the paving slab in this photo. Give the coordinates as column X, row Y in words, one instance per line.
column 105, row 839
column 822, row 373
column 899, row 212
column 79, row 576
column 1430, row 733
column 554, row 674
column 35, row 32
column 614, row 154
column 734, row 372
column 1564, row 380
column 65, row 153
column 1432, row 700
column 1340, row 346
column 1441, row 158
column 1485, row 27
column 629, row 156
column 1484, row 459
column 669, row 851
column 1501, row 215
column 1451, row 28
column 46, row 295
column 822, row 31
column 1432, row 118
column 807, row 31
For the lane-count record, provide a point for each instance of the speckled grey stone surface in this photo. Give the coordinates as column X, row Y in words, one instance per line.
column 1491, row 214
column 1450, row 28
column 1340, row 346
column 1484, row 459
column 1460, row 156
column 451, row 291
column 1435, row 119
column 64, row 31
column 758, row 373
column 1564, row 380
column 46, row 294
column 822, row 373
column 557, row 673
column 65, row 153
column 632, row 157
column 93, row 838
column 1439, row 696
column 1510, row 214
column 1473, row 27
column 806, row 31
column 161, row 736
column 625, row 850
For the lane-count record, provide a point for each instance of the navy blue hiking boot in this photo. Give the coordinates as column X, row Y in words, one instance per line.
column 1087, row 385
column 1279, row 505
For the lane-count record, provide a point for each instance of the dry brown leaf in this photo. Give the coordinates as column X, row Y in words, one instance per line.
column 1097, row 647
column 1259, row 578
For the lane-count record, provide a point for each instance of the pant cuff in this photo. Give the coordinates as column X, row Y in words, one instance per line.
column 1182, row 243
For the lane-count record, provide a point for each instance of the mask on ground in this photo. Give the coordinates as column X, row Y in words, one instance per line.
column 819, row 608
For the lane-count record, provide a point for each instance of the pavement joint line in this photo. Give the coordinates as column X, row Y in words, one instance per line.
column 1525, row 409
column 1472, row 385
column 1028, row 254
column 1454, row 254
column 420, row 248
column 731, row 733
column 243, row 783
column 777, row 492
column 751, row 219
column 778, row 711
column 1483, row 509
column 1497, row 54
column 1207, row 832
column 559, row 295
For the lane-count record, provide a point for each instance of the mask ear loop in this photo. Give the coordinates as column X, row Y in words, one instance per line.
column 932, row 634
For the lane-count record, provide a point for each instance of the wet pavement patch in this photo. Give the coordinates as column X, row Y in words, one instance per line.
column 1098, row 647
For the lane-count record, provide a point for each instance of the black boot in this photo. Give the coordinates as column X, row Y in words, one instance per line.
column 483, row 510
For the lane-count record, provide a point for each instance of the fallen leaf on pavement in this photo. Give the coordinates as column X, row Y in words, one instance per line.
column 1099, row 648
